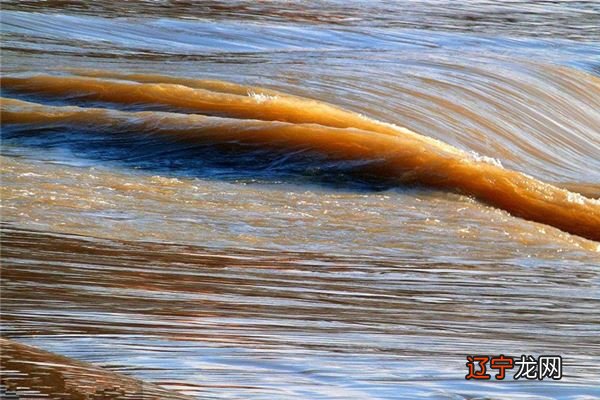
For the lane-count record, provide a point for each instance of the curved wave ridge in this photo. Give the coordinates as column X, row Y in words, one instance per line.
column 241, row 119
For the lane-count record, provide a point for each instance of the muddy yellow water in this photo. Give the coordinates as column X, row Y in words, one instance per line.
column 284, row 200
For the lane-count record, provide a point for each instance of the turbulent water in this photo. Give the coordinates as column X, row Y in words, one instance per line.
column 299, row 199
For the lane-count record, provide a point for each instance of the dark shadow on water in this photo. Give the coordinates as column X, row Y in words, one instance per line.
column 168, row 156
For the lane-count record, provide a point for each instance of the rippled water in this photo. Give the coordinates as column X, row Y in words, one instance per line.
column 293, row 251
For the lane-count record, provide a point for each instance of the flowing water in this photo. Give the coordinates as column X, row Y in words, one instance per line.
column 282, row 199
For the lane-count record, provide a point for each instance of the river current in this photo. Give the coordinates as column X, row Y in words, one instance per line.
column 282, row 200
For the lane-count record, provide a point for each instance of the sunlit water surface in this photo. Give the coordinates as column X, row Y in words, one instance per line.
column 223, row 275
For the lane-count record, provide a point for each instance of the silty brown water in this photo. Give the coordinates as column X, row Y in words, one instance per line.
column 262, row 200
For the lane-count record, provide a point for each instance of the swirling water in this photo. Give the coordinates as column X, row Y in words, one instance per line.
column 225, row 272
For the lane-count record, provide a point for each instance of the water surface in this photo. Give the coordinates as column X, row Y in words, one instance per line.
column 230, row 268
